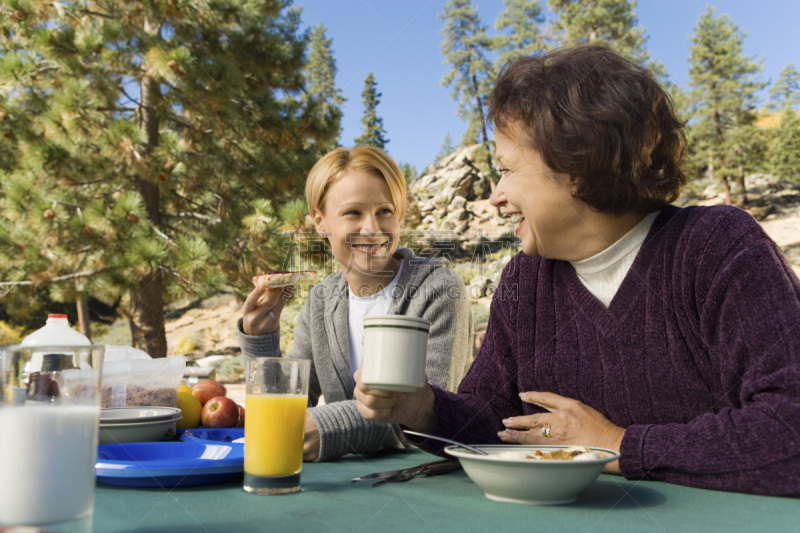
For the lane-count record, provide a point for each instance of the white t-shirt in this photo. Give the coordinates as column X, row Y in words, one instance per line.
column 362, row 307
column 603, row 273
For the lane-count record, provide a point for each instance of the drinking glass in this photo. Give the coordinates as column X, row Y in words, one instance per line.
column 275, row 402
column 49, row 418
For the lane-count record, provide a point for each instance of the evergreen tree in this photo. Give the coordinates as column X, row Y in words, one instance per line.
column 611, row 22
column 723, row 97
column 145, row 148
column 447, row 146
column 465, row 47
column 321, row 86
column 374, row 134
column 680, row 101
column 747, row 151
column 520, row 33
column 786, row 91
column 409, row 171
column 784, row 153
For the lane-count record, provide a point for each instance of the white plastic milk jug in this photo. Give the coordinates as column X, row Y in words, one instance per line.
column 55, row 332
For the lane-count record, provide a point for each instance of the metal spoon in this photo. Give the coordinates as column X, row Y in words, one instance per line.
column 434, row 437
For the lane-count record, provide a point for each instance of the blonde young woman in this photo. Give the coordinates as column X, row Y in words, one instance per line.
column 357, row 199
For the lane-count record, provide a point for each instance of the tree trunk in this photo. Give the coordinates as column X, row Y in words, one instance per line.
column 485, row 136
column 147, row 299
column 84, row 324
column 725, row 185
column 720, row 149
column 147, row 315
column 740, row 176
column 742, row 185
column 492, row 184
column 711, row 165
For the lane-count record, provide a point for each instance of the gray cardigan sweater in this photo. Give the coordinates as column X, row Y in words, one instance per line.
column 426, row 288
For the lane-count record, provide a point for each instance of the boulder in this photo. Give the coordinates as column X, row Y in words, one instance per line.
column 443, row 196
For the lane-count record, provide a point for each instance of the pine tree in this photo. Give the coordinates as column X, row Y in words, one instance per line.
column 321, row 87
column 610, row 22
column 447, row 146
column 409, row 171
column 723, row 97
column 680, row 101
column 373, row 134
column 520, row 33
column 465, row 47
column 145, row 148
column 786, row 91
column 784, row 153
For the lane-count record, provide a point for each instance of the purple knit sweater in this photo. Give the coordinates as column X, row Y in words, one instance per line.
column 697, row 356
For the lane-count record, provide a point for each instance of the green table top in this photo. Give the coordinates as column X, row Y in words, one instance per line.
column 449, row 502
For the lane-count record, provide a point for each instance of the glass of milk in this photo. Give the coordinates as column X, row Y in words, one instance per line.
column 49, row 418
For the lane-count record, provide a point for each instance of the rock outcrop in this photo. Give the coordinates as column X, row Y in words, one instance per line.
column 450, row 201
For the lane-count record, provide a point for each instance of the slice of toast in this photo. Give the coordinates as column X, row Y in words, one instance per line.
column 284, row 279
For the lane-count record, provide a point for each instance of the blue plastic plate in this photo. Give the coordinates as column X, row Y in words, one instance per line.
column 213, row 436
column 168, row 464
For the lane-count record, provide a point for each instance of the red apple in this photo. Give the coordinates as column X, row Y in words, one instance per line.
column 220, row 412
column 207, row 389
column 240, row 424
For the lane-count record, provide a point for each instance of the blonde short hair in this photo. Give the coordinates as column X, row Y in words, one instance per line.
column 332, row 165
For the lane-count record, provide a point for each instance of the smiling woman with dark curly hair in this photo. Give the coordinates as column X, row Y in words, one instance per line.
column 669, row 334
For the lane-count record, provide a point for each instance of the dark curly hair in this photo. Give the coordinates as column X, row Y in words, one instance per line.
column 600, row 118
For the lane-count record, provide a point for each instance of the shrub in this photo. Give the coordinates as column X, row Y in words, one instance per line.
column 480, row 316
column 467, row 273
column 230, row 369
column 186, row 345
column 10, row 334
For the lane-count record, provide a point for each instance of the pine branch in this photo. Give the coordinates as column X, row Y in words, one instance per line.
column 114, row 109
column 128, row 96
column 65, row 277
column 185, row 283
column 45, row 68
column 172, row 117
column 242, row 150
column 184, row 199
column 198, row 216
column 164, row 236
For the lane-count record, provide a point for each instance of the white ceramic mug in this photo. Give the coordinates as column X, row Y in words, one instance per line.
column 394, row 352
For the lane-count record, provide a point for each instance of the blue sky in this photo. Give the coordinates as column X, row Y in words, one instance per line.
column 400, row 42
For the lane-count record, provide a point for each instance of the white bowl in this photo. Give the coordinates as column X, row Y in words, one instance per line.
column 513, row 478
column 147, row 430
column 126, row 415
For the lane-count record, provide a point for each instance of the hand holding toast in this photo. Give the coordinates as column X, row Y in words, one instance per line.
column 262, row 309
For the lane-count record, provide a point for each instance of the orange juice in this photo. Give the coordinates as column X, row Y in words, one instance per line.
column 273, row 429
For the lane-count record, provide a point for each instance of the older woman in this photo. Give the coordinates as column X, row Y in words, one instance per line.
column 672, row 335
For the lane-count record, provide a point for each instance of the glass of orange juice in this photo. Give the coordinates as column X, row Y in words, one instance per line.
column 275, row 402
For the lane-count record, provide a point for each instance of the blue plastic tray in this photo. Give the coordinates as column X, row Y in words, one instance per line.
column 213, row 436
column 168, row 464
